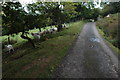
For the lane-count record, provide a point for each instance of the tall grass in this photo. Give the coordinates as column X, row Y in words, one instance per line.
column 109, row 25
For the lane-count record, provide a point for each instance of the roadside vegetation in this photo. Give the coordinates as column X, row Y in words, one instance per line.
column 30, row 30
column 27, row 62
column 108, row 27
column 116, row 49
column 38, row 58
column 108, row 24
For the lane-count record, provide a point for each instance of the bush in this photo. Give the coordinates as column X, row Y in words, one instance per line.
column 109, row 25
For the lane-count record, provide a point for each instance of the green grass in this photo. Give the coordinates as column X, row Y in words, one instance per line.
column 17, row 37
column 108, row 40
column 42, row 61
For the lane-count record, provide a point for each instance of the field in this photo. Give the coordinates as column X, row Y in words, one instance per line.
column 17, row 37
column 42, row 61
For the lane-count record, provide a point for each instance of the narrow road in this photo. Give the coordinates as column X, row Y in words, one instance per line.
column 90, row 57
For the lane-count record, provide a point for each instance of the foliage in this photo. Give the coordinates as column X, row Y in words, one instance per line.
column 116, row 49
column 87, row 10
column 110, row 8
column 110, row 27
column 42, row 61
column 17, row 18
column 11, row 18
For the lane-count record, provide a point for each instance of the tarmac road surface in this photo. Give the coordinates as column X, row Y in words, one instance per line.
column 89, row 57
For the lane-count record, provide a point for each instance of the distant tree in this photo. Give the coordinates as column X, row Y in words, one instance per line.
column 87, row 10
column 103, row 4
column 95, row 13
column 70, row 11
column 110, row 8
column 115, row 7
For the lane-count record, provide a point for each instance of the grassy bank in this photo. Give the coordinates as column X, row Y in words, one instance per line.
column 108, row 41
column 108, row 27
column 42, row 61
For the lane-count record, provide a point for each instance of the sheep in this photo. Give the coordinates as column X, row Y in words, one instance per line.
column 9, row 47
column 49, row 31
column 54, row 29
column 92, row 20
column 108, row 15
column 42, row 33
column 64, row 26
column 36, row 35
column 45, row 32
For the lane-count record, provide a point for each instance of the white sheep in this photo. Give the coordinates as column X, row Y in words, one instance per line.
column 64, row 26
column 49, row 30
column 108, row 15
column 55, row 29
column 9, row 47
column 41, row 33
column 36, row 35
column 92, row 20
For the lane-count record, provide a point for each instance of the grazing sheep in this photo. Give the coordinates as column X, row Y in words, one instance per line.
column 36, row 35
column 108, row 15
column 92, row 20
column 9, row 47
column 64, row 26
column 42, row 33
column 46, row 32
column 54, row 30
column 49, row 31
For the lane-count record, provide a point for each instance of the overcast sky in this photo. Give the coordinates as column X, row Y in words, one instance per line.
column 24, row 2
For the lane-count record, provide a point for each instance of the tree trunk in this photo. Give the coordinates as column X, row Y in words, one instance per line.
column 29, row 39
column 59, row 28
column 8, row 39
column 40, row 29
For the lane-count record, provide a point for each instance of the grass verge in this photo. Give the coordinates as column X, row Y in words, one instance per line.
column 108, row 41
column 42, row 61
